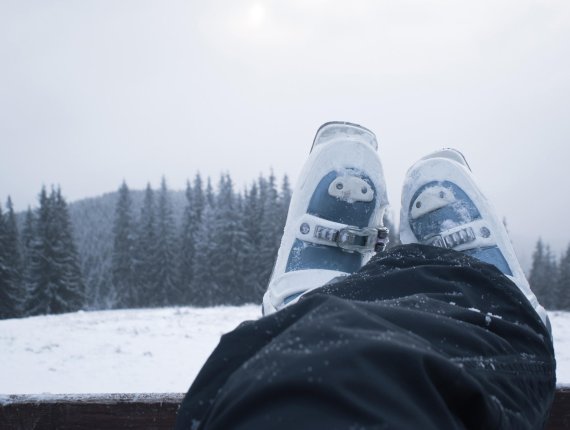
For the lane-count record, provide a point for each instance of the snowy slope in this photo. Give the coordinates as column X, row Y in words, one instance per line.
column 137, row 351
column 148, row 350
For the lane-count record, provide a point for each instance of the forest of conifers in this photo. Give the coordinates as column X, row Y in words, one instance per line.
column 205, row 246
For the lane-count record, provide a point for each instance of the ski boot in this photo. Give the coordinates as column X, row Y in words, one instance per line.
column 443, row 206
column 334, row 224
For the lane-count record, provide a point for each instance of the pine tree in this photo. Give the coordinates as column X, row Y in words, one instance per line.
column 38, row 294
column 251, row 223
column 15, row 254
column 145, row 264
column 187, row 249
column 27, row 244
column 209, row 194
column 55, row 281
column 284, row 200
column 271, row 227
column 563, row 284
column 204, row 286
column 10, row 290
column 537, row 278
column 123, row 258
column 71, row 292
column 244, row 292
column 13, row 239
column 166, row 256
column 188, row 246
column 263, row 220
column 228, row 243
column 199, row 199
column 543, row 275
column 550, row 280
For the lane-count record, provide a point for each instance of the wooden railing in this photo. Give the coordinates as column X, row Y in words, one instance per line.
column 139, row 411
column 89, row 411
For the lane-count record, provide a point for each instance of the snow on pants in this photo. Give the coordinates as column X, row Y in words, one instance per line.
column 419, row 338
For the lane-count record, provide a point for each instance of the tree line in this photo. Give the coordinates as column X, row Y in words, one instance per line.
column 39, row 269
column 550, row 277
column 219, row 248
column 221, row 252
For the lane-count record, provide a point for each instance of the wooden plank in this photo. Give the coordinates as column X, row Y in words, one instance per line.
column 100, row 411
column 560, row 412
column 152, row 411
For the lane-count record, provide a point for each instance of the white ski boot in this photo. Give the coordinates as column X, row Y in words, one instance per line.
column 334, row 224
column 443, row 206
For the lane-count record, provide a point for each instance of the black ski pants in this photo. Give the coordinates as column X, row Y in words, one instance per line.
column 419, row 338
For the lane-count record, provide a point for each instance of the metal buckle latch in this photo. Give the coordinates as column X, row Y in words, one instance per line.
column 354, row 239
column 362, row 239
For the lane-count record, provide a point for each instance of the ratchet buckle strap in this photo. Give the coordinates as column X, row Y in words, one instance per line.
column 349, row 238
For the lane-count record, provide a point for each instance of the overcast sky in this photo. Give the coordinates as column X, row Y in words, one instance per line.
column 96, row 91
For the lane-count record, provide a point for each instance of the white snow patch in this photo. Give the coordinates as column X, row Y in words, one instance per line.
column 124, row 351
column 561, row 334
column 139, row 351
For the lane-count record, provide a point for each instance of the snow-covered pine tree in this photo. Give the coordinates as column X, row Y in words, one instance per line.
column 244, row 290
column 204, row 286
column 40, row 260
column 15, row 255
column 190, row 223
column 93, row 220
column 227, row 266
column 168, row 292
column 10, row 289
column 251, row 222
column 145, row 255
column 264, row 215
column 14, row 238
column 55, row 282
column 209, row 193
column 199, row 199
column 550, row 280
column 7, row 302
column 71, row 289
column 284, row 199
column 563, row 287
column 123, row 257
column 27, row 245
column 537, row 277
column 187, row 250
column 271, row 227
column 543, row 275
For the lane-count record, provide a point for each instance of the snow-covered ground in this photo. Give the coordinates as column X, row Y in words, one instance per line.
column 138, row 351
column 561, row 333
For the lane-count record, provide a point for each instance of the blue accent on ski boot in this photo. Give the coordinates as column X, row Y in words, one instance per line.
column 305, row 255
column 461, row 211
column 491, row 255
column 325, row 206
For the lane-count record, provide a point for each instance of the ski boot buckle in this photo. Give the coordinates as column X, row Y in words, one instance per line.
column 353, row 239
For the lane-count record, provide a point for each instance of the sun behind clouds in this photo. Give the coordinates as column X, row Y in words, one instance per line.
column 257, row 14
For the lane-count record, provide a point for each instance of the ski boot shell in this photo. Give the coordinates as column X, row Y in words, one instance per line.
column 334, row 223
column 443, row 206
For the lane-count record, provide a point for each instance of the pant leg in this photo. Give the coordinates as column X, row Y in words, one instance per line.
column 419, row 338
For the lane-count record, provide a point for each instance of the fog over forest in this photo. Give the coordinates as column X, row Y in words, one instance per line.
column 95, row 92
